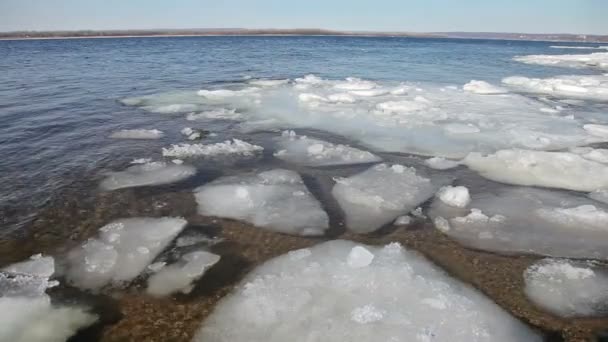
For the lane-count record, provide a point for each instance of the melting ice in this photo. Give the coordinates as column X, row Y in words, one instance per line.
column 277, row 200
column 148, row 173
column 342, row 291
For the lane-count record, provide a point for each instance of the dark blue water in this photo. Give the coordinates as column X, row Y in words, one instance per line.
column 59, row 98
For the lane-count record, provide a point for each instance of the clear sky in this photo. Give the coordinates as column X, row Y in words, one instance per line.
column 532, row 16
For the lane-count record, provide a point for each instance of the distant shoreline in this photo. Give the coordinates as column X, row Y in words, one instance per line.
column 55, row 35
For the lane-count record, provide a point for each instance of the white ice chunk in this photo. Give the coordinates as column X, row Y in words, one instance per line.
column 578, row 87
column 568, row 288
column 439, row 163
column 528, row 220
column 455, row 196
column 400, row 296
column 359, row 257
column 564, row 170
column 152, row 173
column 483, row 87
column 598, row 60
column 228, row 147
column 403, row 220
column 379, row 195
column 137, row 134
column 276, row 200
column 314, row 152
column 35, row 319
column 121, row 251
column 26, row 312
column 597, row 130
column 179, row 277
column 222, row 113
column 268, row 83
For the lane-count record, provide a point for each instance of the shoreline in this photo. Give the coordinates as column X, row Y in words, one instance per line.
column 337, row 34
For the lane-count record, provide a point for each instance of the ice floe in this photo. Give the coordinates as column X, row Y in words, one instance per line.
column 180, row 276
column 222, row 113
column 483, row 87
column 276, row 200
column 568, row 288
column 597, row 60
column 439, row 163
column 579, row 47
column 528, row 220
column 379, row 195
column 342, row 291
column 228, row 147
column 149, row 173
column 137, row 134
column 121, row 251
column 268, row 83
column 425, row 119
column 26, row 311
column 578, row 87
column 455, row 196
column 564, row 170
column 314, row 152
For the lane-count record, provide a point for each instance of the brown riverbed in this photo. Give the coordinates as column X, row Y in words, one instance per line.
column 131, row 315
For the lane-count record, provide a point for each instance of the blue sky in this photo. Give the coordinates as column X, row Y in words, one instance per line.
column 534, row 16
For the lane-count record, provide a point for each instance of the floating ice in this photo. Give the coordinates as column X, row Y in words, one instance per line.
column 222, row 113
column 423, row 119
column 222, row 94
column 137, row 134
column 564, row 170
column 179, row 277
column 439, row 163
column 313, row 152
column 528, row 220
column 568, row 288
column 190, row 133
column 153, row 173
column 26, row 312
column 28, row 278
column 483, row 87
column 379, row 195
column 403, row 220
column 396, row 296
column 35, row 319
column 597, row 130
column 455, row 196
column 276, row 200
column 577, row 87
column 579, row 47
column 121, row 251
column 597, row 60
column 268, row 83
column 228, row 147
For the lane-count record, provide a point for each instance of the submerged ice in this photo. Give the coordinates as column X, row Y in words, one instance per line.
column 568, row 288
column 342, row 291
column 180, row 276
column 147, row 173
column 314, row 152
column 26, row 311
column 528, row 220
column 137, row 134
column 121, row 251
column 379, row 195
column 276, row 200
column 564, row 170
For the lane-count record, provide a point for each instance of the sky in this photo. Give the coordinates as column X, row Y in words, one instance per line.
column 529, row 16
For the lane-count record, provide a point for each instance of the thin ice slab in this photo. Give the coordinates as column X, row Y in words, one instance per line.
column 528, row 220
column 121, row 251
column 276, row 200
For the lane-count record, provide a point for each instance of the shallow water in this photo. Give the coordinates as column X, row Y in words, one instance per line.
column 59, row 98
